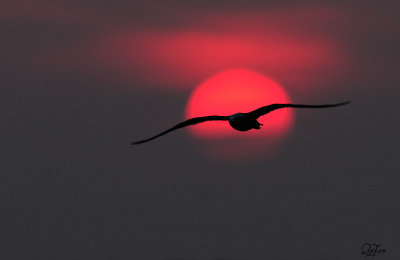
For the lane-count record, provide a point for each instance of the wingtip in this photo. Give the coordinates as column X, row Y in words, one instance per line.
column 346, row 102
column 139, row 142
column 343, row 103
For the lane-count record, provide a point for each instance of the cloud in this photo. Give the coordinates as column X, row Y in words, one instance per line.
column 274, row 43
column 172, row 46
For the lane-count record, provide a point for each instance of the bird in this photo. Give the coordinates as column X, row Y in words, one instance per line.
column 239, row 121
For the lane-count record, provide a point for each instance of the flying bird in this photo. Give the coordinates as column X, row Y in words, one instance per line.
column 239, row 121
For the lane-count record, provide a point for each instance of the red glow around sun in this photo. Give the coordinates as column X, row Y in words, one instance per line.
column 239, row 90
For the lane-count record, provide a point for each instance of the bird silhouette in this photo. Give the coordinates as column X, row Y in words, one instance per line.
column 239, row 121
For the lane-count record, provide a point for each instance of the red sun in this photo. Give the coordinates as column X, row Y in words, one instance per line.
column 239, row 90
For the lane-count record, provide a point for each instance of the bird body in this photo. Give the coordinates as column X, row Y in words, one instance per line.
column 243, row 122
column 239, row 121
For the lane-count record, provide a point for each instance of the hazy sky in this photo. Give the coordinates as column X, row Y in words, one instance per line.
column 81, row 79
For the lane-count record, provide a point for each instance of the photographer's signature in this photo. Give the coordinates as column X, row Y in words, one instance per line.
column 368, row 249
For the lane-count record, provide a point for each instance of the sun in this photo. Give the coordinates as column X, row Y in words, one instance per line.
column 239, row 90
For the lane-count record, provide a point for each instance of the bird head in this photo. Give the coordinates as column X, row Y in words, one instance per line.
column 257, row 125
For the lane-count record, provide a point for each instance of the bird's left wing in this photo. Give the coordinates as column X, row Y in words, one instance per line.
column 191, row 121
column 266, row 109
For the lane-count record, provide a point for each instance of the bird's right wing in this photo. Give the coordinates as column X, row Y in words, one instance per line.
column 191, row 121
column 266, row 109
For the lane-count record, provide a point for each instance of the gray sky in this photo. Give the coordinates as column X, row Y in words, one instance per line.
column 79, row 82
